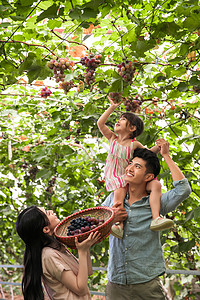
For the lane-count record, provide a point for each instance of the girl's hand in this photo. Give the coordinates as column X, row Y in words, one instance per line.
column 163, row 146
column 86, row 244
column 112, row 103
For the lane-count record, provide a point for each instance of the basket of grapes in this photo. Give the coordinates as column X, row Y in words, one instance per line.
column 82, row 223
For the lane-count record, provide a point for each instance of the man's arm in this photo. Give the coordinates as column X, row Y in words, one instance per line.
column 171, row 199
column 164, row 151
column 120, row 212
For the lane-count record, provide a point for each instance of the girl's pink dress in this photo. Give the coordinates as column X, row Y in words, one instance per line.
column 116, row 163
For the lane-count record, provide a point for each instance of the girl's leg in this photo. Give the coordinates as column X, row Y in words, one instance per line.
column 159, row 223
column 119, row 195
column 154, row 187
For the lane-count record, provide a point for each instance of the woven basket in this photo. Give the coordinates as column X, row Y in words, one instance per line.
column 100, row 212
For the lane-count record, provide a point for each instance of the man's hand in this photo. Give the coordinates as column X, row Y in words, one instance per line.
column 163, row 146
column 120, row 212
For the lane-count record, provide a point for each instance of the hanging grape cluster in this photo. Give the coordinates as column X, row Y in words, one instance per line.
column 32, row 172
column 196, row 89
column 132, row 104
column 66, row 86
column 115, row 97
column 126, row 70
column 81, row 225
column 45, row 92
column 91, row 62
column 59, row 67
column 80, row 86
column 51, row 186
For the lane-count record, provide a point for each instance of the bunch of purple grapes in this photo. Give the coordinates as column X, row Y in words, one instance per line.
column 45, row 92
column 91, row 62
column 115, row 97
column 66, row 86
column 132, row 105
column 81, row 225
column 126, row 70
column 59, row 67
column 196, row 89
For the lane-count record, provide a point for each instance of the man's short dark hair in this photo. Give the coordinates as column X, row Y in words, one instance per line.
column 152, row 162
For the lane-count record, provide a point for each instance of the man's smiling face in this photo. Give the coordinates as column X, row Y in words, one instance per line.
column 136, row 171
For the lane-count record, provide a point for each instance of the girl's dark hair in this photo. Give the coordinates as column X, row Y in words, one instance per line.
column 134, row 120
column 152, row 162
column 29, row 225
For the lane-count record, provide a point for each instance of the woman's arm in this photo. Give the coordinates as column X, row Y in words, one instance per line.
column 89, row 262
column 79, row 284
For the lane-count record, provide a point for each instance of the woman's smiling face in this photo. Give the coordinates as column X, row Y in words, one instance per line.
column 53, row 220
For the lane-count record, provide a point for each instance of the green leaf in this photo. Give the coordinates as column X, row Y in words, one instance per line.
column 192, row 22
column 54, row 24
column 4, row 8
column 45, row 4
column 75, row 14
column 51, row 13
column 89, row 109
column 194, row 81
column 89, row 13
column 26, row 2
column 197, row 213
column 52, row 131
column 4, row 24
column 30, row 23
column 18, row 18
column 182, row 87
column 196, row 148
column 44, row 174
column 34, row 72
column 67, row 150
column 116, row 86
column 131, row 36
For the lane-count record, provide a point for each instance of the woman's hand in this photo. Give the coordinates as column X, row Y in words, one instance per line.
column 87, row 243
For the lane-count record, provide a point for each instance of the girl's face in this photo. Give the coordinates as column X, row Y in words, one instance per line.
column 53, row 220
column 121, row 124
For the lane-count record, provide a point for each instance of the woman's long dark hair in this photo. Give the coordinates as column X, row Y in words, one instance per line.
column 29, row 225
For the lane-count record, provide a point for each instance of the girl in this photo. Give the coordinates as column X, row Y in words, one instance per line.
column 48, row 260
column 122, row 144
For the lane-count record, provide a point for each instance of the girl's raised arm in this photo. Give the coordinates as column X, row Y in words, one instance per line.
column 102, row 120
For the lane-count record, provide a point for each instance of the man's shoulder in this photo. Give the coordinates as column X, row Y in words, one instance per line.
column 182, row 186
column 171, row 199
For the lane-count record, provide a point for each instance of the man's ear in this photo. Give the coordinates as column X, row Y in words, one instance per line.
column 149, row 177
column 46, row 229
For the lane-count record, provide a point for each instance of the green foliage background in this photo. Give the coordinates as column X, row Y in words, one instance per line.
column 163, row 39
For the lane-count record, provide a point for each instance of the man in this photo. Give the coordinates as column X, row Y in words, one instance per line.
column 137, row 261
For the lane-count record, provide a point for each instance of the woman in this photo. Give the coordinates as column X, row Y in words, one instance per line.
column 48, row 260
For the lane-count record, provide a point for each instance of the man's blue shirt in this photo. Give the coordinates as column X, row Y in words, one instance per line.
column 138, row 257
